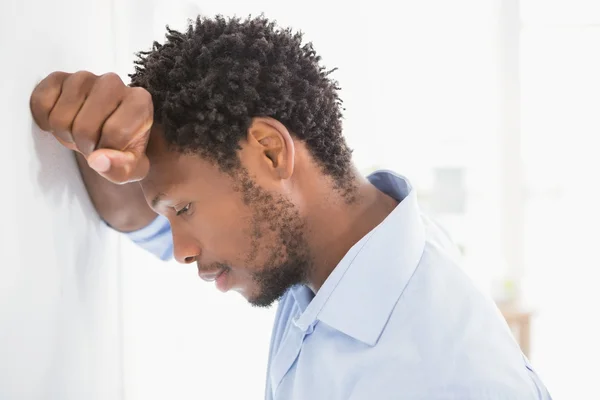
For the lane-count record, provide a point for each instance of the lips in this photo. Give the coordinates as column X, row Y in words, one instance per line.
column 210, row 276
column 219, row 275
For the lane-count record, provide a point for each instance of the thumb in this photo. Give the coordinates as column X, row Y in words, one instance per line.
column 119, row 166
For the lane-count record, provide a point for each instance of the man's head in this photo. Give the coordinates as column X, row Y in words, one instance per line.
column 247, row 126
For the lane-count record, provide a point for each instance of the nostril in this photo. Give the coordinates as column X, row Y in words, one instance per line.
column 189, row 260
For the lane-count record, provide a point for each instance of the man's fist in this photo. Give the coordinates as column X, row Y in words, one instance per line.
column 100, row 117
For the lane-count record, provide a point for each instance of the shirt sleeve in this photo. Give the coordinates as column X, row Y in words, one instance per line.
column 155, row 238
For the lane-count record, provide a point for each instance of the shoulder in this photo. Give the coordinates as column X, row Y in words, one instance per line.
column 384, row 383
column 445, row 339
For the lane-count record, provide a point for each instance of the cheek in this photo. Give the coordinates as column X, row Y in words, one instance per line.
column 225, row 230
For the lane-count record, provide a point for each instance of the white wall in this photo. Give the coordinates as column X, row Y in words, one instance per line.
column 60, row 315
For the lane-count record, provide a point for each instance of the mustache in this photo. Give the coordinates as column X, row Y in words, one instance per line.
column 216, row 266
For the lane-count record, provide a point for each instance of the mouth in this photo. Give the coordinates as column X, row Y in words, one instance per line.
column 220, row 277
column 222, row 281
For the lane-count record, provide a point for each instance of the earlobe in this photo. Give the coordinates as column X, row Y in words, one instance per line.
column 275, row 143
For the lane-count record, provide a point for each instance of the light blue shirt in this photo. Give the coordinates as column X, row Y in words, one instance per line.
column 396, row 319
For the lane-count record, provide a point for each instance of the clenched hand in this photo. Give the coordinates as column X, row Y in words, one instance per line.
column 100, row 117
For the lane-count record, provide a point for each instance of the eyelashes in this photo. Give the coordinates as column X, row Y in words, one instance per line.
column 185, row 210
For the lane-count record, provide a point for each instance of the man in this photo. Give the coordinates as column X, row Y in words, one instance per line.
column 231, row 132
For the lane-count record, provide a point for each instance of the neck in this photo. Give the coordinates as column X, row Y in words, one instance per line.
column 334, row 225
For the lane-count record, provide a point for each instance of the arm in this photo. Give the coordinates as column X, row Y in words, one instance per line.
column 123, row 207
column 107, row 124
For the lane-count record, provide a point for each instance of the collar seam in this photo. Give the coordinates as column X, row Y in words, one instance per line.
column 326, row 299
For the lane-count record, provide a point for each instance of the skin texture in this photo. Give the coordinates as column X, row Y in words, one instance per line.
column 107, row 125
column 276, row 221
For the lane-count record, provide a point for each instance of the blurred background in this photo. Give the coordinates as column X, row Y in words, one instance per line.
column 490, row 109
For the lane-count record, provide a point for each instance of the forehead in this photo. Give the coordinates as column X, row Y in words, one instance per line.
column 171, row 171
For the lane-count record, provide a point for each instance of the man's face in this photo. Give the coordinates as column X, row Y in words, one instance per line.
column 247, row 238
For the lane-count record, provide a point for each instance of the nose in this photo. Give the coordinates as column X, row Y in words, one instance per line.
column 185, row 249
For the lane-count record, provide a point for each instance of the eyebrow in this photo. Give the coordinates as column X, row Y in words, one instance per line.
column 157, row 198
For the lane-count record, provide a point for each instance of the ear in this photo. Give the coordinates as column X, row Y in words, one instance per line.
column 275, row 145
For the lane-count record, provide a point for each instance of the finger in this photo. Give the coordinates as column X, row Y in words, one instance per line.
column 129, row 125
column 119, row 166
column 103, row 99
column 70, row 146
column 44, row 97
column 75, row 89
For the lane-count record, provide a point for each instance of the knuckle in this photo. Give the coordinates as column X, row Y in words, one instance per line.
column 109, row 86
column 58, row 122
column 122, row 175
column 83, row 129
column 82, row 76
column 115, row 134
column 123, row 133
column 111, row 79
column 44, row 94
column 85, row 137
column 109, row 129
column 56, row 77
column 42, row 101
column 127, row 172
column 141, row 96
column 142, row 104
column 75, row 85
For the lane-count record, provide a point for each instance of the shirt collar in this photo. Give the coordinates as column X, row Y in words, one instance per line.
column 360, row 293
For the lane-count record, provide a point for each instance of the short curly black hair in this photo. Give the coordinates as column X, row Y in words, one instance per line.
column 208, row 82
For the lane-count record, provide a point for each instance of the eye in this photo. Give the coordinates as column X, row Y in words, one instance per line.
column 184, row 210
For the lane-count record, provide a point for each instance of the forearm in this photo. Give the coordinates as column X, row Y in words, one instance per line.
column 123, row 207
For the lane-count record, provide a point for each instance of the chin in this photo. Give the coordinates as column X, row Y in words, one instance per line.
column 255, row 297
column 254, row 301
column 262, row 301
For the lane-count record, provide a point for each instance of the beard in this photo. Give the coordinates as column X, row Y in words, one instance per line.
column 278, row 232
column 277, row 237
